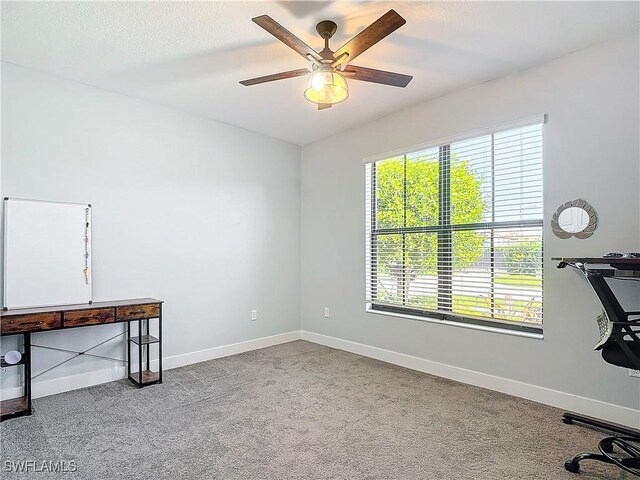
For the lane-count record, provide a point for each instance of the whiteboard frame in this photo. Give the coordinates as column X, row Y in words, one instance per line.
column 4, row 250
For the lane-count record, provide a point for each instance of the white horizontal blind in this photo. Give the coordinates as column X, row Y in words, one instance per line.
column 456, row 229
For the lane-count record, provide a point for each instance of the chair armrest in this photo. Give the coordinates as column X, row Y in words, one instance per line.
column 628, row 322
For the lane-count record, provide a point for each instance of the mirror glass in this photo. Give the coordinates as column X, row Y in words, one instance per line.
column 573, row 220
column 12, row 357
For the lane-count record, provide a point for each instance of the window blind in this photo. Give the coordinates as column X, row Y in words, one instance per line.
column 454, row 231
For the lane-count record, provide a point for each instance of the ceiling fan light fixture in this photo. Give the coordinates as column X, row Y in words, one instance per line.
column 326, row 84
column 326, row 87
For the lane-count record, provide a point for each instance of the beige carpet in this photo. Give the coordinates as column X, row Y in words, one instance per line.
column 298, row 411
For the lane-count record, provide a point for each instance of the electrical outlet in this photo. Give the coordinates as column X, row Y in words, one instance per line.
column 634, row 373
column 254, row 315
column 326, row 312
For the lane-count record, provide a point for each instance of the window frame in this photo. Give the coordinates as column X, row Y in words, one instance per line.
column 445, row 230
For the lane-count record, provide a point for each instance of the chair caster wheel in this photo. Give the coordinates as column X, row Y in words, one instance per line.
column 571, row 466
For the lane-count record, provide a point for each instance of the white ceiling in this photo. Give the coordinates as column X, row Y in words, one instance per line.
column 191, row 56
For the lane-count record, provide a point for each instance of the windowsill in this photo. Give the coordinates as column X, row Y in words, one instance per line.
column 484, row 328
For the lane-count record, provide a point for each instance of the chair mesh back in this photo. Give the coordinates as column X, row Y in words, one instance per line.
column 605, row 327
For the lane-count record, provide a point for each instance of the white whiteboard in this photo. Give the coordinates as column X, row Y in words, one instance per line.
column 47, row 253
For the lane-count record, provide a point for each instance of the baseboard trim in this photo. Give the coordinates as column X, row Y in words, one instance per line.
column 44, row 388
column 176, row 361
column 586, row 406
column 52, row 386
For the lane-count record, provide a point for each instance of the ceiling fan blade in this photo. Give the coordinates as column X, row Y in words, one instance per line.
column 285, row 36
column 377, row 76
column 275, row 76
column 322, row 106
column 371, row 35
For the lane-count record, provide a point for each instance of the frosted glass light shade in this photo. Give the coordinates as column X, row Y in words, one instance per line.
column 326, row 86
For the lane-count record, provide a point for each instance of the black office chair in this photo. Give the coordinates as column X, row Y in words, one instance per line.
column 619, row 345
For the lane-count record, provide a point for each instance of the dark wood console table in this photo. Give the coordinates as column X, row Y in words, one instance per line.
column 26, row 321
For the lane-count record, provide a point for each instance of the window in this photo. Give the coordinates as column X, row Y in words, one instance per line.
column 454, row 231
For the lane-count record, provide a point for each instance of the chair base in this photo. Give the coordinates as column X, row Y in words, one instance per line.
column 625, row 440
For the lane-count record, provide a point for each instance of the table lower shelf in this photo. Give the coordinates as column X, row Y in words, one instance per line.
column 144, row 340
column 148, row 378
column 14, row 407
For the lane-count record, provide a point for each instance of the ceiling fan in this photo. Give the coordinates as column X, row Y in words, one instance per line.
column 327, row 83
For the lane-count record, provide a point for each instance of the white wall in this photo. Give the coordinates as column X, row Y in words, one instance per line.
column 207, row 216
column 202, row 215
column 591, row 150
